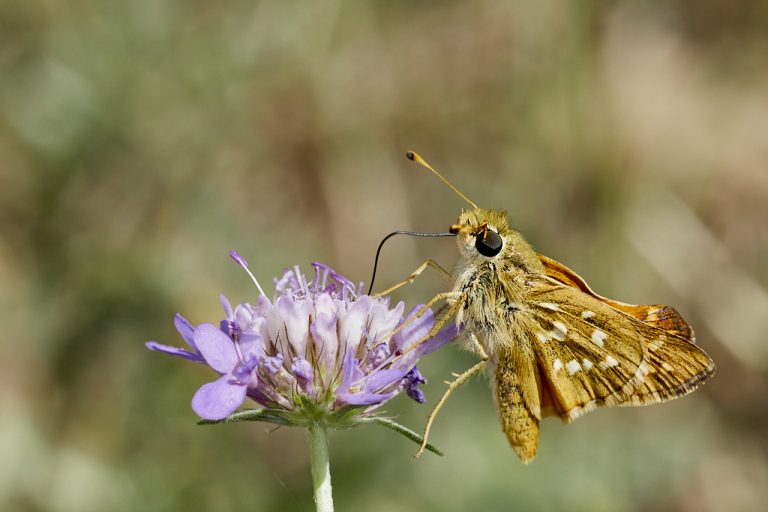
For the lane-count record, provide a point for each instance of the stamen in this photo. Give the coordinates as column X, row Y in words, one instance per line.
column 241, row 261
column 302, row 282
column 316, row 280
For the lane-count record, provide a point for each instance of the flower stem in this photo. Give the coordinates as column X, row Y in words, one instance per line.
column 321, row 471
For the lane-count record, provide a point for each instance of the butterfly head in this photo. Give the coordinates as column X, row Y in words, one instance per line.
column 484, row 235
column 481, row 233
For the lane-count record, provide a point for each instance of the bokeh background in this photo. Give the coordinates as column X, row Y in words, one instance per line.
column 141, row 141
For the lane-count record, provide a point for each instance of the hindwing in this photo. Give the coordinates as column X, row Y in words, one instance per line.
column 665, row 318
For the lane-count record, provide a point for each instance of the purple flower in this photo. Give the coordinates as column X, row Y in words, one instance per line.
column 319, row 344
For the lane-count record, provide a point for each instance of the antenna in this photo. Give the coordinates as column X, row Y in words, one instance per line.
column 412, row 155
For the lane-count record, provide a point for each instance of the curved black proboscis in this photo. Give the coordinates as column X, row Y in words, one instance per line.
column 410, row 233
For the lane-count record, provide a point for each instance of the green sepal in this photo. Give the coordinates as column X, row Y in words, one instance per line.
column 306, row 414
column 267, row 415
column 310, row 413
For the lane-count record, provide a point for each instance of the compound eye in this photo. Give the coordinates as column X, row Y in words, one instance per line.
column 488, row 243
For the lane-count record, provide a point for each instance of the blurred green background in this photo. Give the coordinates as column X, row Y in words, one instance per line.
column 142, row 140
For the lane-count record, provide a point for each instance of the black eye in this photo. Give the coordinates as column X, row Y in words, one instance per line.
column 488, row 243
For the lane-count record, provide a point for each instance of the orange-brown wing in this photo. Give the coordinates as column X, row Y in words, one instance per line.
column 662, row 317
column 593, row 355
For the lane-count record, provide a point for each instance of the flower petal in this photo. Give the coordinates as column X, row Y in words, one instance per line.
column 350, row 372
column 325, row 336
column 218, row 399
column 376, row 356
column 174, row 351
column 415, row 330
column 384, row 320
column 352, row 322
column 273, row 364
column 364, row 398
column 244, row 315
column 383, row 378
column 262, row 305
column 186, row 330
column 226, row 306
column 416, row 394
column 216, row 347
column 276, row 334
column 287, row 285
column 325, row 305
column 438, row 340
column 304, row 373
column 252, row 345
column 258, row 395
column 295, row 315
column 283, row 381
column 411, row 382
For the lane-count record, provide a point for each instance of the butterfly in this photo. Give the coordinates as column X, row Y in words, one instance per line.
column 552, row 346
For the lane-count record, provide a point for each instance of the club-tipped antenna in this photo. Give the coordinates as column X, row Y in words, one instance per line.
column 412, row 155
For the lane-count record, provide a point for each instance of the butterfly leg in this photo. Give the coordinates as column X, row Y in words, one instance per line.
column 477, row 346
column 421, row 268
column 461, row 379
column 458, row 297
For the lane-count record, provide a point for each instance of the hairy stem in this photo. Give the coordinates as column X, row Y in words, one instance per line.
column 321, row 471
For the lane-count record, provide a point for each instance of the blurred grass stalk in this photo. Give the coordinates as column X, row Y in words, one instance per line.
column 697, row 266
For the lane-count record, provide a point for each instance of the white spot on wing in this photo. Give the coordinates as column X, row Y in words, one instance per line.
column 587, row 364
column 572, row 366
column 557, row 365
column 549, row 305
column 542, row 337
column 557, row 334
column 609, row 362
column 598, row 336
column 559, row 331
column 586, row 315
column 560, row 326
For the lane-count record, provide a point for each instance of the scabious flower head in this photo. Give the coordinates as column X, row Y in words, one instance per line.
column 318, row 347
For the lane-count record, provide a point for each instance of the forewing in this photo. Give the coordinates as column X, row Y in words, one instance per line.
column 662, row 317
column 592, row 355
column 675, row 368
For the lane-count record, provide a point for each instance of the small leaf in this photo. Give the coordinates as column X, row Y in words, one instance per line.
column 400, row 429
column 266, row 415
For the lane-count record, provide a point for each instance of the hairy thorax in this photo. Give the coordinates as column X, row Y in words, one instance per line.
column 493, row 308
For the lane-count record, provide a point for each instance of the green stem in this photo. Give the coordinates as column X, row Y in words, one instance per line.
column 321, row 471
